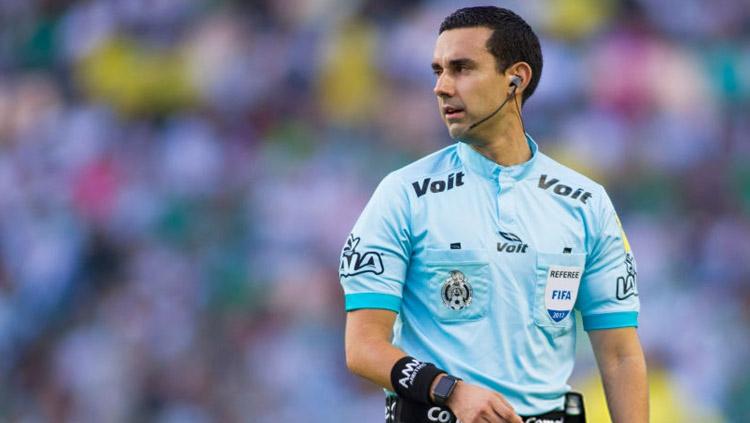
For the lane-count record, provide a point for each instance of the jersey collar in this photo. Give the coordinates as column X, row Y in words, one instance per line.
column 477, row 163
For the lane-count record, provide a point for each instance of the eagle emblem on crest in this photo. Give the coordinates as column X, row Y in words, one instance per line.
column 456, row 292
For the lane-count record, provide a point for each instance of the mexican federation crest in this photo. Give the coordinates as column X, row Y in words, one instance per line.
column 456, row 292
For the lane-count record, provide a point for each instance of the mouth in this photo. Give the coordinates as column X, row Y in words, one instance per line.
column 452, row 113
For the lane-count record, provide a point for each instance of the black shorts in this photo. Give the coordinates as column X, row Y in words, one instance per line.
column 398, row 410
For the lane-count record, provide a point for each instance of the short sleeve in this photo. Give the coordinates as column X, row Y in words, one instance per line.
column 376, row 253
column 608, row 297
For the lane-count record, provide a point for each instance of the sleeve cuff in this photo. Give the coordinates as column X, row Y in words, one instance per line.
column 371, row 300
column 610, row 320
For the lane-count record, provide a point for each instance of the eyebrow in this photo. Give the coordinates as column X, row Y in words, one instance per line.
column 456, row 63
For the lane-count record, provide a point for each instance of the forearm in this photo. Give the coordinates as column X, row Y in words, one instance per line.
column 373, row 361
column 623, row 369
column 369, row 352
column 626, row 388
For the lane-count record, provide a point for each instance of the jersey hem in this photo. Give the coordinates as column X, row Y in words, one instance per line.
column 616, row 320
column 372, row 300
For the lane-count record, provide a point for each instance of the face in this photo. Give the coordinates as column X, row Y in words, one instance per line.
column 468, row 85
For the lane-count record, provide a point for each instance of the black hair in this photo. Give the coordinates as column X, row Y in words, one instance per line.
column 512, row 39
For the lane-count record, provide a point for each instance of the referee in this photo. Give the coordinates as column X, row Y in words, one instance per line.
column 463, row 271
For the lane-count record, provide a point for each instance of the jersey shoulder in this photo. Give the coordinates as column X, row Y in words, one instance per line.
column 554, row 169
column 443, row 161
column 399, row 181
column 591, row 196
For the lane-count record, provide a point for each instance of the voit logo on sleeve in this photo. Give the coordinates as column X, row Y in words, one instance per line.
column 562, row 290
column 355, row 263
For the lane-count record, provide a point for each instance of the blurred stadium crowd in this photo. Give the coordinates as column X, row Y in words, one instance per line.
column 177, row 178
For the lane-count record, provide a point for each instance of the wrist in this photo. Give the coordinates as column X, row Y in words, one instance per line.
column 435, row 384
column 413, row 379
column 443, row 390
column 451, row 402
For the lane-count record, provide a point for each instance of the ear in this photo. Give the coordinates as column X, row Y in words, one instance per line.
column 523, row 71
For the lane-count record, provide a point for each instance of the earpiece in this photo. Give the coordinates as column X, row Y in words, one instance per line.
column 515, row 82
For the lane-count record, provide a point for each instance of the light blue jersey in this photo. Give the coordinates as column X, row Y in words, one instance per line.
column 484, row 265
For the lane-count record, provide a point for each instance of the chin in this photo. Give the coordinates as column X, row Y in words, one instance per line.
column 456, row 131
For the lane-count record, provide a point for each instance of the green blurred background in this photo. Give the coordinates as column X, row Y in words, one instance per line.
column 177, row 178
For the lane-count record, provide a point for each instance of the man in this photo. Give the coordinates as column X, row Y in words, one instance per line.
column 462, row 272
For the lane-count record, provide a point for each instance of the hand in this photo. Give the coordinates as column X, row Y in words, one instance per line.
column 474, row 404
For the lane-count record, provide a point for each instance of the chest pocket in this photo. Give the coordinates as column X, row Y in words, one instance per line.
column 458, row 284
column 558, row 278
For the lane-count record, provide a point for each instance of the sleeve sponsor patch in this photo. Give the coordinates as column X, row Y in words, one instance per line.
column 626, row 285
column 354, row 262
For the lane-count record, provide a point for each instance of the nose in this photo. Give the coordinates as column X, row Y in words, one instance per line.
column 444, row 86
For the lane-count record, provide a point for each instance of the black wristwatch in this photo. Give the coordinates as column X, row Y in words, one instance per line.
column 444, row 389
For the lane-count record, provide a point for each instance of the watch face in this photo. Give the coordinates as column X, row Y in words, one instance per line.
column 444, row 388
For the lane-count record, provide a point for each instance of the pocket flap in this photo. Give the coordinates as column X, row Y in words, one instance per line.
column 455, row 256
column 544, row 260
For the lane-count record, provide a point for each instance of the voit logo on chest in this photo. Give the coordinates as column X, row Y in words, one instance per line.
column 563, row 190
column 514, row 244
column 438, row 185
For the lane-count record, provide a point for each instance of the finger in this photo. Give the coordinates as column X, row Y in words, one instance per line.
column 506, row 413
column 515, row 418
column 491, row 416
column 504, row 401
column 494, row 417
column 510, row 416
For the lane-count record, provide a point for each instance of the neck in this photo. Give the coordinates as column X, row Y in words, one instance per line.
column 505, row 142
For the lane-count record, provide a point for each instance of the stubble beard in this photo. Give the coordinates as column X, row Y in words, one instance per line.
column 455, row 132
column 458, row 131
column 461, row 133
